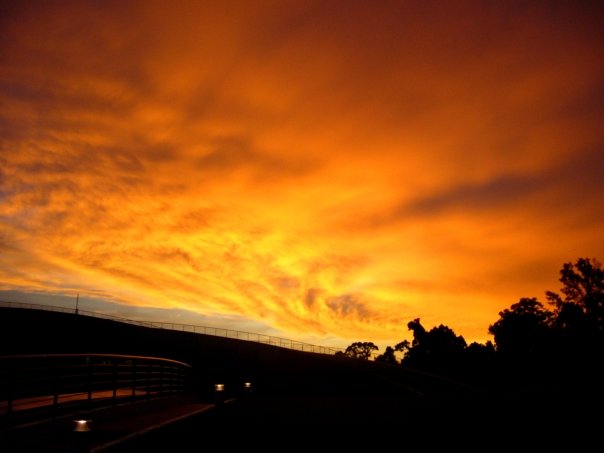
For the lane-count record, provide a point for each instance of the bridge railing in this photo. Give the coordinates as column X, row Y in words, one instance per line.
column 36, row 385
column 206, row 330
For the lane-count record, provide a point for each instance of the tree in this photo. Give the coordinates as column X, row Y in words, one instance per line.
column 437, row 349
column 419, row 333
column 360, row 350
column 476, row 348
column 442, row 340
column 581, row 309
column 523, row 329
column 404, row 347
column 387, row 357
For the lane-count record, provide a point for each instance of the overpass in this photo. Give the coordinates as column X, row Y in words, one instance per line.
column 89, row 402
column 291, row 387
column 41, row 385
column 42, row 394
column 205, row 330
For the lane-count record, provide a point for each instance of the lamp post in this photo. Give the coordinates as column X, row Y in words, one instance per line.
column 81, row 425
column 81, row 433
column 219, row 393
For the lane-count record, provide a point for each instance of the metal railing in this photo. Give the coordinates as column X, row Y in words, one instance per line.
column 206, row 330
column 43, row 384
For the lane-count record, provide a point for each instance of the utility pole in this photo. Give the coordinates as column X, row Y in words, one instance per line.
column 77, row 303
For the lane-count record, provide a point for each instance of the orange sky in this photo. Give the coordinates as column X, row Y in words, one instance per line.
column 329, row 169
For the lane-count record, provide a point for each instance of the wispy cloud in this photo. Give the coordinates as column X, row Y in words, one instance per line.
column 321, row 169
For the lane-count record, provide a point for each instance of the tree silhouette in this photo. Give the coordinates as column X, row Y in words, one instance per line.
column 479, row 349
column 560, row 345
column 523, row 329
column 582, row 307
column 360, row 350
column 388, row 356
column 437, row 349
column 404, row 347
column 419, row 333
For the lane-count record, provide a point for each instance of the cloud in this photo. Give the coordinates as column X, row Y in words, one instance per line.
column 347, row 305
column 325, row 170
column 492, row 196
column 311, row 297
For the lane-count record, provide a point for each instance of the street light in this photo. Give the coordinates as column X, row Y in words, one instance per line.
column 81, row 423
column 218, row 392
column 81, row 433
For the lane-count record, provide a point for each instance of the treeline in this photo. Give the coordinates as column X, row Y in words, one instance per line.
column 557, row 340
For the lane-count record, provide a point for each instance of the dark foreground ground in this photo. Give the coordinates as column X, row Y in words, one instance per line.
column 269, row 423
column 366, row 424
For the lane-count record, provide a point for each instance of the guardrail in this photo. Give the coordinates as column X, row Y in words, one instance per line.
column 206, row 330
column 37, row 385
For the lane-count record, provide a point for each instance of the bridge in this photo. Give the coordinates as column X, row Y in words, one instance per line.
column 63, row 402
column 170, row 383
column 49, row 401
column 205, row 330
column 34, row 386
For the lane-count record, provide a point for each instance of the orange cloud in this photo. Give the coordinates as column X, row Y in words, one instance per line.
column 333, row 172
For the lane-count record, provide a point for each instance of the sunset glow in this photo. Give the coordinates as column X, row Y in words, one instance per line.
column 328, row 169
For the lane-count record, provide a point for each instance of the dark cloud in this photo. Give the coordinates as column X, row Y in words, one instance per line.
column 468, row 199
column 312, row 297
column 474, row 197
column 582, row 173
column 177, row 257
column 347, row 306
column 5, row 245
column 285, row 284
column 193, row 220
column 228, row 154
column 577, row 178
column 231, row 154
column 576, row 187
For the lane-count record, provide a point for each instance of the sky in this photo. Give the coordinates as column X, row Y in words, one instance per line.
column 325, row 171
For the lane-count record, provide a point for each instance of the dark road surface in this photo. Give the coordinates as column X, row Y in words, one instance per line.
column 313, row 423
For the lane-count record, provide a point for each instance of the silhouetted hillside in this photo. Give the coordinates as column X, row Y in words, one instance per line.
column 292, row 386
column 215, row 359
column 275, row 372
